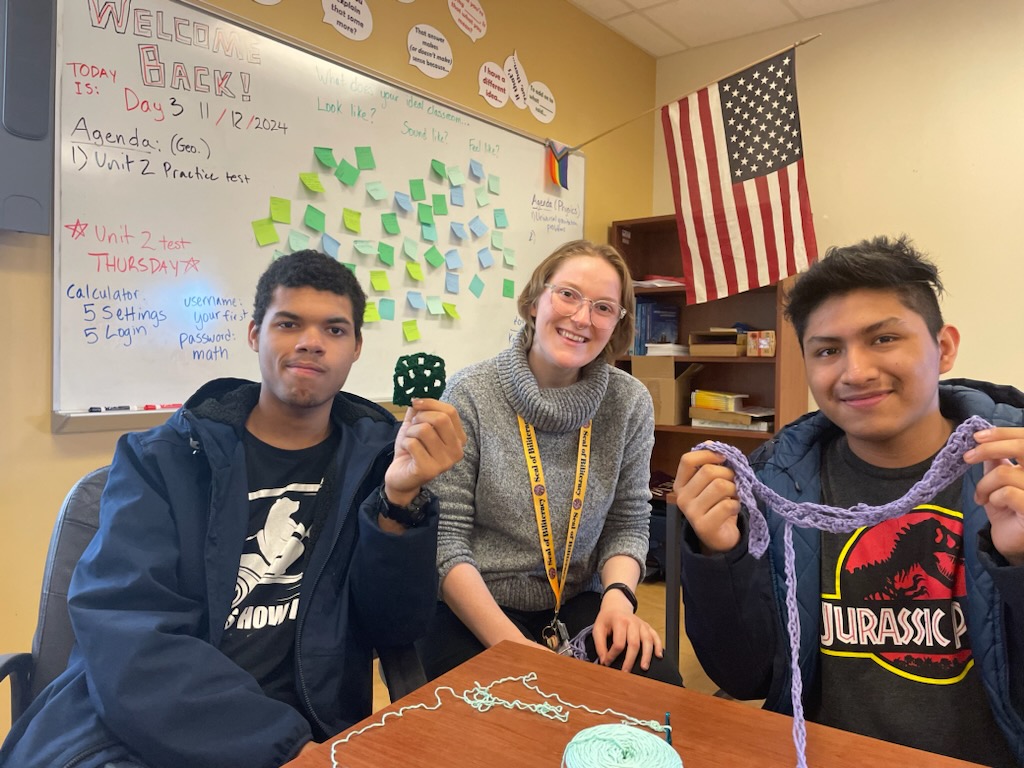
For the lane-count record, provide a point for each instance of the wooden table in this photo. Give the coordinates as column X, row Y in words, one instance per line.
column 707, row 731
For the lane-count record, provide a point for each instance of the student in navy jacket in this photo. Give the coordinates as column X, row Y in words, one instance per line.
column 912, row 630
column 252, row 552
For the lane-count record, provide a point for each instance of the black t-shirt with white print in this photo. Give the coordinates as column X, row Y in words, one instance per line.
column 259, row 633
column 896, row 660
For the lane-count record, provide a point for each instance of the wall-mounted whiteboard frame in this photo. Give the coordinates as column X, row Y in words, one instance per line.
column 154, row 275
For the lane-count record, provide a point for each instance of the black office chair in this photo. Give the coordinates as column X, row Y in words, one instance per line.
column 76, row 524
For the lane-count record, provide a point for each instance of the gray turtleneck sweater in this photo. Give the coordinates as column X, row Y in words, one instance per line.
column 487, row 514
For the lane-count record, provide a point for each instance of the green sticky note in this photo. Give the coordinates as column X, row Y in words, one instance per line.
column 390, row 223
column 376, row 190
column 315, row 218
column 351, row 267
column 476, row 286
column 387, row 309
column 434, row 257
column 510, row 257
column 455, row 176
column 415, row 270
column 425, row 213
column 410, row 330
column 326, row 157
column 440, row 205
column 409, row 248
column 416, row 189
column 500, row 218
column 379, row 280
column 364, row 159
column 298, row 241
column 366, row 247
column 482, row 199
column 494, row 184
column 265, row 232
column 311, row 181
column 450, row 310
column 497, row 240
column 352, row 220
column 347, row 173
column 370, row 314
column 508, row 289
column 439, row 168
column 281, row 210
column 428, row 232
column 434, row 305
column 386, row 253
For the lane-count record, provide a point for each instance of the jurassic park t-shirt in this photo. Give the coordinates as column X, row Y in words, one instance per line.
column 896, row 660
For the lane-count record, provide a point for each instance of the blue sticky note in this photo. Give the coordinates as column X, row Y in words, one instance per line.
column 429, row 232
column 451, row 282
column 459, row 230
column 476, row 170
column 404, row 201
column 458, row 196
column 386, row 307
column 485, row 257
column 415, row 299
column 329, row 245
column 476, row 286
column 453, row 259
column 477, row 227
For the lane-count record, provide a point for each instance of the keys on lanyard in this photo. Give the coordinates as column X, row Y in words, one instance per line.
column 557, row 637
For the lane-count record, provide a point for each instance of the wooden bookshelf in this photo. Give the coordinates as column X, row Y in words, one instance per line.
column 651, row 247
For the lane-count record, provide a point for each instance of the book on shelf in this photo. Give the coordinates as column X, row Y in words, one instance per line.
column 742, row 416
column 754, row 426
column 667, row 349
column 717, row 400
column 656, row 321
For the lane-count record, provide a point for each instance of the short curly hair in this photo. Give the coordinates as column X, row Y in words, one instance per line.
column 310, row 269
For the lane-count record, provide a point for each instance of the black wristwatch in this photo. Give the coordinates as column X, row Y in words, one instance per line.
column 624, row 589
column 412, row 516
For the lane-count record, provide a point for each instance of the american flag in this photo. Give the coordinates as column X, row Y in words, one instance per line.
column 736, row 159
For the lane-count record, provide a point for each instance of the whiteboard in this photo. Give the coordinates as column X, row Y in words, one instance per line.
column 181, row 146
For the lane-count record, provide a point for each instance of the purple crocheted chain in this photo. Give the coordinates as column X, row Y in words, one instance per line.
column 947, row 466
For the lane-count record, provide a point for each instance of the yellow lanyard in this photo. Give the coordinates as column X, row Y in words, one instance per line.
column 542, row 508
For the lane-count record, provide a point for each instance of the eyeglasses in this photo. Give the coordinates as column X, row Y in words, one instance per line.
column 567, row 301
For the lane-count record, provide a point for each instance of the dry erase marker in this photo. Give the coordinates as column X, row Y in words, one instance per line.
column 117, row 408
column 95, row 409
column 149, row 407
column 173, row 406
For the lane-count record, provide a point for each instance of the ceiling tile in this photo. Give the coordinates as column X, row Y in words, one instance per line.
column 645, row 34
column 602, row 10
column 810, row 8
column 700, row 23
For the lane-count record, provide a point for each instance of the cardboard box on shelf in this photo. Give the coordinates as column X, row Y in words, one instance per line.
column 670, row 393
column 760, row 343
column 718, row 343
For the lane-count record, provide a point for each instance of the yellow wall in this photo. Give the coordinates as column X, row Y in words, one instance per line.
column 598, row 81
column 912, row 121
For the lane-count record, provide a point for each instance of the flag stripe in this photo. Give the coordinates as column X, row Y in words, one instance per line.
column 720, row 250
column 673, row 149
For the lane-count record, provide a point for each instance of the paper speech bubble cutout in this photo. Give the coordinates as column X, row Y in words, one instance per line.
column 469, row 17
column 493, row 85
column 429, row 51
column 541, row 101
column 350, row 18
column 518, row 85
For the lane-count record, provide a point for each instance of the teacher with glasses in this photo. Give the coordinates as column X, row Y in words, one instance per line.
column 544, row 524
